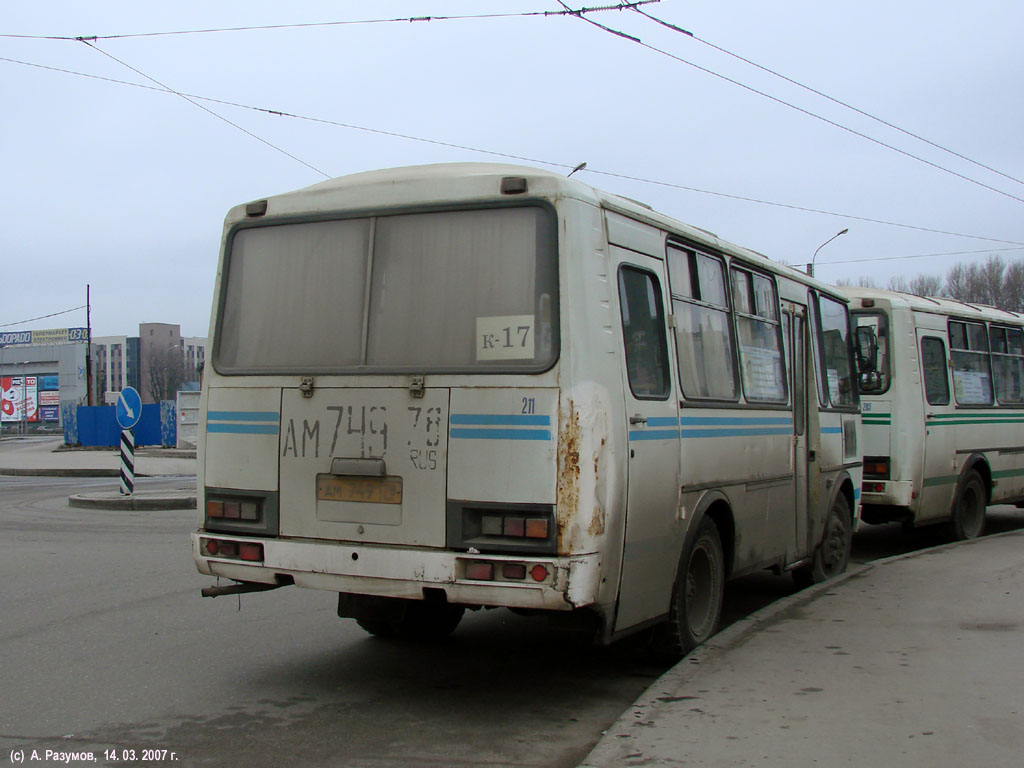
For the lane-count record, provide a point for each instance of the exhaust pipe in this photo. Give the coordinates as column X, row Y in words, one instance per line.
column 239, row 588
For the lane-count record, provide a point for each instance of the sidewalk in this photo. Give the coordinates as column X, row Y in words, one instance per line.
column 40, row 456
column 45, row 457
column 916, row 660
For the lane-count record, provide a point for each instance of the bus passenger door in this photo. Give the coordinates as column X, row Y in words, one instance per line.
column 794, row 327
column 651, row 548
column 936, row 479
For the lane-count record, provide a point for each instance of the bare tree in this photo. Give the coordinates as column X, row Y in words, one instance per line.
column 166, row 374
column 926, row 285
column 898, row 283
column 1013, row 287
column 956, row 282
column 861, row 282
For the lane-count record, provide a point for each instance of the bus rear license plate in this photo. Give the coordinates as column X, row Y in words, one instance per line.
column 368, row 490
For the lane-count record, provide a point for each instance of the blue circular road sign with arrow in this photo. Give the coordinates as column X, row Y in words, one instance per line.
column 129, row 407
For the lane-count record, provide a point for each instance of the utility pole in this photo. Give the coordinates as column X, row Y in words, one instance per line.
column 88, row 348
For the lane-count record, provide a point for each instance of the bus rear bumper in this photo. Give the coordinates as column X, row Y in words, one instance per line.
column 887, row 493
column 540, row 583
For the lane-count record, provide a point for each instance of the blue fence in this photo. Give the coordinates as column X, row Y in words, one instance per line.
column 96, row 426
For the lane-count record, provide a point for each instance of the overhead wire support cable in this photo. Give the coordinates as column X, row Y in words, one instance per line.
column 353, row 22
column 824, row 95
column 43, row 317
column 777, row 100
column 194, row 103
column 509, row 155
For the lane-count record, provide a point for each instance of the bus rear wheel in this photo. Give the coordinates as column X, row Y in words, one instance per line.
column 969, row 508
column 696, row 597
column 832, row 556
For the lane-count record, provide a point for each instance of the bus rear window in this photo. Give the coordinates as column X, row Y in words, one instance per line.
column 447, row 291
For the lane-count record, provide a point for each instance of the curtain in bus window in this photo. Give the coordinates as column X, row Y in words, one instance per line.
column 460, row 289
column 705, row 352
column 294, row 296
column 643, row 333
column 835, row 346
column 972, row 380
column 933, row 363
column 703, row 338
column 1007, row 364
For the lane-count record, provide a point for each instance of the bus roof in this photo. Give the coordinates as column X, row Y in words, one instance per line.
column 462, row 182
column 937, row 305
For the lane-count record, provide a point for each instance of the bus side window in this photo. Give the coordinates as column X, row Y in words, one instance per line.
column 704, row 345
column 643, row 334
column 972, row 379
column 758, row 333
column 933, row 364
column 1008, row 363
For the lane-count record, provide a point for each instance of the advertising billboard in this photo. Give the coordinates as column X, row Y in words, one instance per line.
column 20, row 398
column 47, row 336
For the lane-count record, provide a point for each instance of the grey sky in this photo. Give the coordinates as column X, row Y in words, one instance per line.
column 126, row 188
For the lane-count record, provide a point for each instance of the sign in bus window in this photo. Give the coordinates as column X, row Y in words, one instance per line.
column 504, row 338
column 972, row 378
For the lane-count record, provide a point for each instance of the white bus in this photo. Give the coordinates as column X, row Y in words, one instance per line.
column 942, row 393
column 469, row 385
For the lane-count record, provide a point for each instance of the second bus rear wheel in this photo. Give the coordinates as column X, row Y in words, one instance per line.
column 696, row 597
column 832, row 555
column 421, row 620
column 969, row 508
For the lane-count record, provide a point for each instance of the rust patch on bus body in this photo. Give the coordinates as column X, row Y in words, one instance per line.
column 568, row 476
column 596, row 527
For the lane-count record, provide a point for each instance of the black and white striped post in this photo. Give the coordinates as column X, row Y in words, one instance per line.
column 127, row 462
column 129, row 411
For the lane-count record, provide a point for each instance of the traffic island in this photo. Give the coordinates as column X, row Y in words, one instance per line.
column 137, row 501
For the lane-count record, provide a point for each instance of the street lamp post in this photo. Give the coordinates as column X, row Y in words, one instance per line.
column 810, row 267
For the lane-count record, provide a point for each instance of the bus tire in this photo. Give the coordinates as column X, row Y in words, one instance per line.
column 969, row 508
column 696, row 607
column 421, row 620
column 832, row 556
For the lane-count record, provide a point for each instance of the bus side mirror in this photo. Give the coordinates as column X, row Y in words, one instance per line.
column 867, row 349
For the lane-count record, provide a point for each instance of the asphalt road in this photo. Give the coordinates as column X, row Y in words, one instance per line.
column 107, row 645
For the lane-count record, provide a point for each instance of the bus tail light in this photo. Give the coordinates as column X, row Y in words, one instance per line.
column 478, row 570
column 500, row 571
column 232, row 509
column 233, row 550
column 873, row 488
column 502, row 528
column 876, row 467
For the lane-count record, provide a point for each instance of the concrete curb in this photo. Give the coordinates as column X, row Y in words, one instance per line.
column 606, row 753
column 136, row 502
column 64, row 472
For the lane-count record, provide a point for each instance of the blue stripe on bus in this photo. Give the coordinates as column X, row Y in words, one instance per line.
column 500, row 434
column 242, row 416
column 243, row 429
column 690, row 434
column 831, row 430
column 500, row 419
